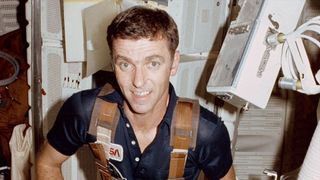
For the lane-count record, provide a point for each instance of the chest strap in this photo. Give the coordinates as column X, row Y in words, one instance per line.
column 184, row 127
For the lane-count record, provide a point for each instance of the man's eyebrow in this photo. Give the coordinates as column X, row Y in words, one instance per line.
column 120, row 57
column 152, row 57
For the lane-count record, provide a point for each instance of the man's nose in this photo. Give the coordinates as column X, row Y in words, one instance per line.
column 138, row 79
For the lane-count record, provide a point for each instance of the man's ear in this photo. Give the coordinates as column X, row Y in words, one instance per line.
column 175, row 63
column 112, row 61
column 112, row 65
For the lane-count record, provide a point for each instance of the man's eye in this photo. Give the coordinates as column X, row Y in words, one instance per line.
column 154, row 64
column 125, row 66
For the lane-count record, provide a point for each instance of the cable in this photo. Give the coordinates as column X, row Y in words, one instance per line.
column 14, row 63
column 294, row 59
column 298, row 76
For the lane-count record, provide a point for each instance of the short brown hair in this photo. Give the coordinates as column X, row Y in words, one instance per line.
column 142, row 22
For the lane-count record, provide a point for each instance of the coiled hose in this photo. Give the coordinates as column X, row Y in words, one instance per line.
column 15, row 65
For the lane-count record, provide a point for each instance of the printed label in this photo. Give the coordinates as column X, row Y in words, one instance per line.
column 116, row 152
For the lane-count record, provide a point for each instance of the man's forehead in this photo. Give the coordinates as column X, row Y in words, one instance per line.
column 127, row 47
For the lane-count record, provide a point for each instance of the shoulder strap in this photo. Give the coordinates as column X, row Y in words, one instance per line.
column 184, row 130
column 104, row 120
column 102, row 110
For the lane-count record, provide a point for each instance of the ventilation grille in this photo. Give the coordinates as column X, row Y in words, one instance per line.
column 8, row 16
column 51, row 20
column 52, row 83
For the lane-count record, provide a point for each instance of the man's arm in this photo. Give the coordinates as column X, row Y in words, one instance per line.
column 48, row 163
column 230, row 175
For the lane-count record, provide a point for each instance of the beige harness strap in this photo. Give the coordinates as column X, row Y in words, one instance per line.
column 104, row 120
column 102, row 110
column 184, row 129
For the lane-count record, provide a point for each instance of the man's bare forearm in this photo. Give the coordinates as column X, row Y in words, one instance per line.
column 48, row 173
column 49, row 162
column 230, row 175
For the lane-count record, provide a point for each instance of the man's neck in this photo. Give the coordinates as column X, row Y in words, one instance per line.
column 145, row 125
column 146, row 121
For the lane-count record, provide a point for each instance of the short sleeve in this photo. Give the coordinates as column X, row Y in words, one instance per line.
column 69, row 131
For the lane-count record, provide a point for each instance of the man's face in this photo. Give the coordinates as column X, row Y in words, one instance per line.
column 143, row 69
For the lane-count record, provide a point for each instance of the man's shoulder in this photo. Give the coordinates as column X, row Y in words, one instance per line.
column 209, row 118
column 88, row 93
column 211, row 127
column 82, row 100
column 212, row 152
column 86, row 96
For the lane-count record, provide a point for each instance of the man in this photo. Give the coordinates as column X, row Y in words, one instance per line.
column 143, row 45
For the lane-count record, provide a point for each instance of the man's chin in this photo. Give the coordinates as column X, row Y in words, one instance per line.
column 140, row 109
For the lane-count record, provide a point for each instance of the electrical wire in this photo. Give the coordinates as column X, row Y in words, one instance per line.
column 298, row 76
column 15, row 65
column 295, row 64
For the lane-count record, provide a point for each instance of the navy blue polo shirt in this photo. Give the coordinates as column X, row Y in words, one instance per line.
column 212, row 153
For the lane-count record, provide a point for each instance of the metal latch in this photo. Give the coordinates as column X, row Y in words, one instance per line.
column 271, row 173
